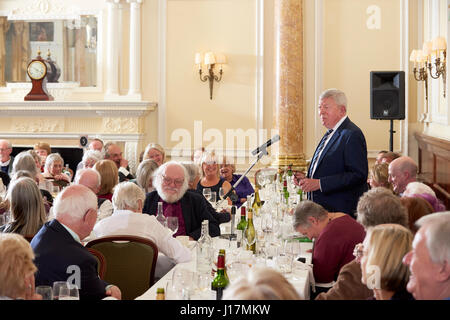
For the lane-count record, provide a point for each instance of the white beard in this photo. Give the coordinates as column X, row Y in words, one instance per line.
column 170, row 198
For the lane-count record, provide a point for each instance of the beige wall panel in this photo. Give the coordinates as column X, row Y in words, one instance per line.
column 352, row 50
column 196, row 26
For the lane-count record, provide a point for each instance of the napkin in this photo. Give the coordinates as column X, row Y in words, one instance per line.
column 298, row 265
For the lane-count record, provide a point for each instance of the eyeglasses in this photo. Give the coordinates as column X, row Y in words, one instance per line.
column 4, row 149
column 169, row 181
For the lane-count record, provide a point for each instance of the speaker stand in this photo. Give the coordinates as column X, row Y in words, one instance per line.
column 391, row 138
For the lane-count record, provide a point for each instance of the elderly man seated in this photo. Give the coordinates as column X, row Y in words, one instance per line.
column 429, row 259
column 60, row 256
column 171, row 183
column 127, row 219
column 402, row 171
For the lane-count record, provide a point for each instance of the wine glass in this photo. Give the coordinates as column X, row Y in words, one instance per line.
column 45, row 291
column 57, row 286
column 69, row 293
column 172, row 224
column 221, row 193
column 207, row 193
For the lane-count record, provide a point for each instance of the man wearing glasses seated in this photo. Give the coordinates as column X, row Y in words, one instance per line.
column 171, row 183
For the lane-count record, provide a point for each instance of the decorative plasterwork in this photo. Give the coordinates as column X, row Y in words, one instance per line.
column 44, row 10
column 120, row 125
column 76, row 108
column 38, row 125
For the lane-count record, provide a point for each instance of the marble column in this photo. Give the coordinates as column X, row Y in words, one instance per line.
column 288, row 107
column 112, row 57
column 135, row 49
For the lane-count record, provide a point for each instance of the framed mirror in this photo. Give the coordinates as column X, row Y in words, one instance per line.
column 71, row 45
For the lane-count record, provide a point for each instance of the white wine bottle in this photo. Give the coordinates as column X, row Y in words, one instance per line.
column 250, row 232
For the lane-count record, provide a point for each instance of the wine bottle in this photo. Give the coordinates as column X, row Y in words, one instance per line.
column 160, row 216
column 241, row 228
column 204, row 249
column 285, row 191
column 256, row 202
column 160, row 294
column 222, row 252
column 250, row 232
column 220, row 281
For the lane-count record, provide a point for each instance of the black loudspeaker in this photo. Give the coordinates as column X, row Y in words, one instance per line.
column 387, row 95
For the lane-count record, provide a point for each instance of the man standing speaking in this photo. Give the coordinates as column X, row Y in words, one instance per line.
column 337, row 174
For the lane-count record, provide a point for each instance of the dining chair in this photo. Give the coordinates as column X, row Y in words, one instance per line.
column 101, row 262
column 130, row 262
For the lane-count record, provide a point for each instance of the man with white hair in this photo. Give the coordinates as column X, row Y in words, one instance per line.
column 429, row 259
column 127, row 219
column 60, row 255
column 6, row 160
column 171, row 183
column 91, row 178
column 402, row 171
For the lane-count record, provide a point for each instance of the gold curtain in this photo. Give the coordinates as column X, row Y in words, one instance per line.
column 20, row 51
column 4, row 26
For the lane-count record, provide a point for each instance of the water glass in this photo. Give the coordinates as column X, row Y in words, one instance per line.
column 69, row 293
column 57, row 286
column 172, row 224
column 207, row 193
column 283, row 263
column 45, row 291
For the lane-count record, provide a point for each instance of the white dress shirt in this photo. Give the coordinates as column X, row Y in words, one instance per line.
column 126, row 222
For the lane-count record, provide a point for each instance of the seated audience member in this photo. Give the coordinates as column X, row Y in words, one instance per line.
column 16, row 268
column 210, row 175
column 90, row 158
column 26, row 208
column 57, row 245
column 171, row 183
column 382, row 269
column 429, row 259
column 91, row 178
column 380, row 156
column 127, row 219
column 419, row 189
column 378, row 176
column 144, row 175
column 387, row 157
column 114, row 153
column 197, row 155
column 53, row 170
column 416, row 207
column 43, row 150
column 243, row 189
column 193, row 174
column 39, row 176
column 24, row 161
column 402, row 171
column 109, row 178
column 261, row 284
column 376, row 206
column 6, row 160
column 94, row 145
column 155, row 152
column 329, row 255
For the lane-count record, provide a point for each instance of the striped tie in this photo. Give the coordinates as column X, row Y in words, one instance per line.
column 318, row 150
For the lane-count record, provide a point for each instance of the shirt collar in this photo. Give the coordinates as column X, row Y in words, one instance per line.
column 339, row 123
column 72, row 233
column 3, row 164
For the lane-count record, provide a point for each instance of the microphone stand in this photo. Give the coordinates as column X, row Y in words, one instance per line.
column 233, row 196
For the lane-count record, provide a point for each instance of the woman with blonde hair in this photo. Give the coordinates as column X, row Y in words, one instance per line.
column 382, row 268
column 26, row 208
column 109, row 178
column 144, row 175
column 16, row 268
column 261, row 284
column 155, row 152
column 378, row 176
column 210, row 175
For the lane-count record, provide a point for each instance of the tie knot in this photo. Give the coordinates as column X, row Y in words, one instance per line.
column 329, row 131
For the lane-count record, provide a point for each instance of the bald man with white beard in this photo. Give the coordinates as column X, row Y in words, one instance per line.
column 171, row 183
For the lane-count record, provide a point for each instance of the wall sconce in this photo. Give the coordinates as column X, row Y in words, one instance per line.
column 210, row 60
column 423, row 59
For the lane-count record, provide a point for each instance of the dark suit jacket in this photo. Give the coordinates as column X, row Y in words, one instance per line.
column 123, row 177
column 342, row 169
column 55, row 251
column 194, row 210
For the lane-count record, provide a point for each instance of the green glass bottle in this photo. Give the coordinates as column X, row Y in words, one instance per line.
column 222, row 252
column 241, row 227
column 220, row 281
column 285, row 191
column 250, row 232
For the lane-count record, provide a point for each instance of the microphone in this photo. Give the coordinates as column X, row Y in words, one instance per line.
column 275, row 138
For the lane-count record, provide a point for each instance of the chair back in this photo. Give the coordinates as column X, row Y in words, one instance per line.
column 130, row 263
column 101, row 262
